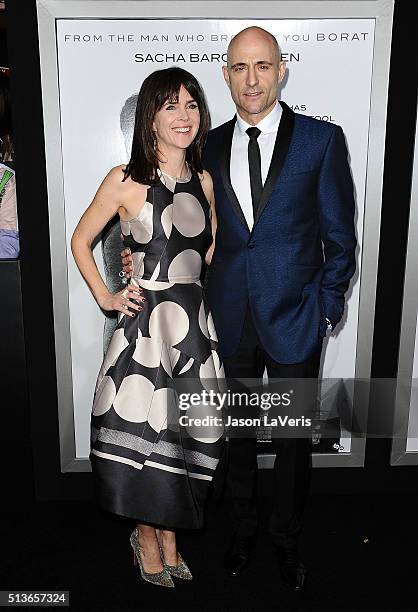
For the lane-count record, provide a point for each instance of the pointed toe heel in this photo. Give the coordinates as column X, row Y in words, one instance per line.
column 180, row 570
column 162, row 578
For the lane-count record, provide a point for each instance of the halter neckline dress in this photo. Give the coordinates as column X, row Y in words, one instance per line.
column 148, row 463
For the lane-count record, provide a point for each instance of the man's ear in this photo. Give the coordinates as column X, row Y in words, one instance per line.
column 226, row 75
column 282, row 70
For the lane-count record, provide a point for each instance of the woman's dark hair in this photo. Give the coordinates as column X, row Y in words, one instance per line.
column 159, row 87
column 6, row 142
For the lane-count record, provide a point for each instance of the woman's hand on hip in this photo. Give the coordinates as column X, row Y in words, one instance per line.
column 123, row 300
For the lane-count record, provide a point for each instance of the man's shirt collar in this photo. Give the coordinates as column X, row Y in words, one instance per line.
column 269, row 124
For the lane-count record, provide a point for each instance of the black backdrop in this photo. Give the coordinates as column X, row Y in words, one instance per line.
column 29, row 432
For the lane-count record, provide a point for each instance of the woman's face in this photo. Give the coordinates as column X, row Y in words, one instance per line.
column 177, row 123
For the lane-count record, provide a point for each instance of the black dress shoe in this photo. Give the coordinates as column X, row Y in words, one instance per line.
column 292, row 570
column 238, row 557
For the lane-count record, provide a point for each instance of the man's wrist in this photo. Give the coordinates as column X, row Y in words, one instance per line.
column 329, row 324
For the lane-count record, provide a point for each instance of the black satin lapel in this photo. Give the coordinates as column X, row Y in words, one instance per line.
column 281, row 147
column 225, row 166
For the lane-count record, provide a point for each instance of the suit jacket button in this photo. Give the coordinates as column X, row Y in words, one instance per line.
column 251, row 245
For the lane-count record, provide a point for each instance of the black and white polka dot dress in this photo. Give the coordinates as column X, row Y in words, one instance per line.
column 150, row 460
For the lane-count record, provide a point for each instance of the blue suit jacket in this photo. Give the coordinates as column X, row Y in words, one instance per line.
column 295, row 265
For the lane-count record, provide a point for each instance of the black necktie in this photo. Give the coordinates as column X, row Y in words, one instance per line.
column 254, row 164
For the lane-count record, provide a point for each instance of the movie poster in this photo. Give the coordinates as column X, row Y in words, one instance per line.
column 101, row 65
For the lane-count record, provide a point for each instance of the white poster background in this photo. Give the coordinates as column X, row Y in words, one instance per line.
column 329, row 77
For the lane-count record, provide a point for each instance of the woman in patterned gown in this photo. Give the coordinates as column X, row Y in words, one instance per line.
column 148, row 463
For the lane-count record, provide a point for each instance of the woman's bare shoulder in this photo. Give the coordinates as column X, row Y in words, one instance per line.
column 116, row 175
column 117, row 180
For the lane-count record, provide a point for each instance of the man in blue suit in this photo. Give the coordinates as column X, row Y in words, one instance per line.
column 284, row 256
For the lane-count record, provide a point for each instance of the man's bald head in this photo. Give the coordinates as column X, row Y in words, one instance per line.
column 250, row 35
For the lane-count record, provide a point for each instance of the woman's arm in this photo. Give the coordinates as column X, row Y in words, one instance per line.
column 106, row 203
column 207, row 186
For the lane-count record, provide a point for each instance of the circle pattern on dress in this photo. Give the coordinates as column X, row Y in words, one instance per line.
column 211, row 328
column 188, row 217
column 186, row 264
column 202, row 320
column 148, row 352
column 208, row 372
column 167, row 220
column 187, row 366
column 209, row 432
column 156, row 272
column 104, row 396
column 161, row 401
column 134, row 398
column 117, row 344
column 169, row 358
column 142, row 232
column 153, row 285
column 169, row 321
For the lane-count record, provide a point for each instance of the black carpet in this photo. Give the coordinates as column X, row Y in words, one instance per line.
column 361, row 552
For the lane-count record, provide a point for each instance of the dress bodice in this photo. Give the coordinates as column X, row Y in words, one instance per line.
column 170, row 236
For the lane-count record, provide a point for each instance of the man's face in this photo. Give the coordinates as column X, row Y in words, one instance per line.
column 253, row 75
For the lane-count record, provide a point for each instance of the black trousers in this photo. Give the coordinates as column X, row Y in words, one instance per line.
column 291, row 473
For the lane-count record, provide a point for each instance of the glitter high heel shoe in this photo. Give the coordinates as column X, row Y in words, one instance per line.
column 162, row 578
column 178, row 571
